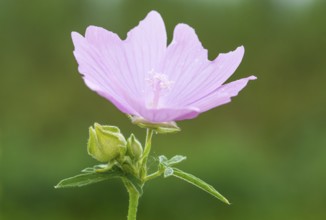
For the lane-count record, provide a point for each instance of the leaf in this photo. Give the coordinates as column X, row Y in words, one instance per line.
column 87, row 179
column 170, row 162
column 137, row 184
column 175, row 160
column 168, row 172
column 162, row 159
column 199, row 183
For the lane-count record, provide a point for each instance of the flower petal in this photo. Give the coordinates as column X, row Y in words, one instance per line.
column 208, row 79
column 222, row 95
column 144, row 48
column 185, row 57
column 213, row 76
column 169, row 114
column 98, row 74
column 112, row 57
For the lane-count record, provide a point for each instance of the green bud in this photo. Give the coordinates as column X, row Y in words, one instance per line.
column 106, row 143
column 162, row 127
column 134, row 148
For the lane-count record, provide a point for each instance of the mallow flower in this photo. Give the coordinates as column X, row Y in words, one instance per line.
column 144, row 77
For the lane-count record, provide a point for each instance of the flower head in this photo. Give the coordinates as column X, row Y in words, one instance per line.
column 144, row 77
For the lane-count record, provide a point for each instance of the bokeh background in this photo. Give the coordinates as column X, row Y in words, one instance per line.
column 265, row 151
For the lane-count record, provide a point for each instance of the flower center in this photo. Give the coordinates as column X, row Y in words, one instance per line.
column 159, row 83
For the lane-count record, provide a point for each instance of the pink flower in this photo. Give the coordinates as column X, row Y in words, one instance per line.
column 144, row 77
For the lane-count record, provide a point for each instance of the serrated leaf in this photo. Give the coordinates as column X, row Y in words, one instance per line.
column 135, row 182
column 168, row 172
column 199, row 183
column 87, row 179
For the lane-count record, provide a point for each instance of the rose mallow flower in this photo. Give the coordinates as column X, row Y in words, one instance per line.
column 144, row 77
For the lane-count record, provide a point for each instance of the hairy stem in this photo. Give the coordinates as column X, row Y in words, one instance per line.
column 133, row 201
column 133, row 193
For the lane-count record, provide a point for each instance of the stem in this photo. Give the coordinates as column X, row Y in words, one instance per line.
column 148, row 144
column 153, row 175
column 133, row 193
column 133, row 201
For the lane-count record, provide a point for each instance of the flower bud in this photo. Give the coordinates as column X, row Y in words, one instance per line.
column 134, row 148
column 106, row 143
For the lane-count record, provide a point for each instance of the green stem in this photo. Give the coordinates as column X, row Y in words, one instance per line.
column 133, row 201
column 154, row 175
column 133, row 193
column 148, row 144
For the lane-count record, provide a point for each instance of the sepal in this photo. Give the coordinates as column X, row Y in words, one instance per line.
column 161, row 128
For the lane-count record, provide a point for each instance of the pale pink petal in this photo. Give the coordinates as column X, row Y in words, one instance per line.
column 222, row 95
column 99, row 76
column 213, row 76
column 184, row 60
column 169, row 114
column 144, row 48
column 113, row 58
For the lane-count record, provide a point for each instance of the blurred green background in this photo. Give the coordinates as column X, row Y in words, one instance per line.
column 265, row 151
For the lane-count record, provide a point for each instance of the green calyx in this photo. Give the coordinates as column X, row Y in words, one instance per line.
column 161, row 128
column 106, row 143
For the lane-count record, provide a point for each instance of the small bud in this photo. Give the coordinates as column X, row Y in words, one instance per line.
column 106, row 143
column 162, row 127
column 134, row 148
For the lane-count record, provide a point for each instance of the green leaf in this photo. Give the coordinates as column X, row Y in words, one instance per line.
column 168, row 172
column 175, row 160
column 199, row 183
column 88, row 178
column 170, row 162
column 135, row 182
column 162, row 159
